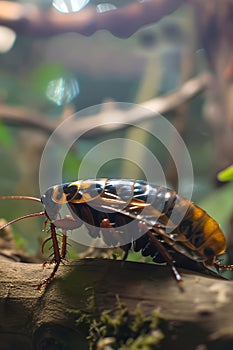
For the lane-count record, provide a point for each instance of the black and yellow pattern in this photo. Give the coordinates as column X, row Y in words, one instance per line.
column 124, row 201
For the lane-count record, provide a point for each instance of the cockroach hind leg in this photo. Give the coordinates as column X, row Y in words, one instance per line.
column 167, row 257
column 220, row 267
column 178, row 277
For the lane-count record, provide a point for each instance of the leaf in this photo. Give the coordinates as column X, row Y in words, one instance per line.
column 226, row 174
column 44, row 73
column 5, row 136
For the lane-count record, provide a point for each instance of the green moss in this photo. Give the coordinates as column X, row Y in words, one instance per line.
column 84, row 317
column 118, row 329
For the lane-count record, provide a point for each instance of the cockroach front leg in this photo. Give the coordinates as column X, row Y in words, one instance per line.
column 56, row 259
column 68, row 223
column 106, row 224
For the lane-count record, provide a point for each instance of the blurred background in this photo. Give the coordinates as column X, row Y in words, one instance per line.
column 60, row 57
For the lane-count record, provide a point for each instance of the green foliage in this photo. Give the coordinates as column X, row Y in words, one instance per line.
column 44, row 73
column 117, row 329
column 226, row 174
column 120, row 330
column 70, row 167
column 5, row 136
column 20, row 241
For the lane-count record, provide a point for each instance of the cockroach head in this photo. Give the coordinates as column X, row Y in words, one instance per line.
column 52, row 208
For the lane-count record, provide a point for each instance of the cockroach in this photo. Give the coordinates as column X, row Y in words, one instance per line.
column 131, row 214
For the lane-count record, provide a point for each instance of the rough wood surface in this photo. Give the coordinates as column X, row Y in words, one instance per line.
column 201, row 314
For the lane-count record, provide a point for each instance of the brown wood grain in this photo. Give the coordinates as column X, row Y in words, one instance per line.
column 199, row 314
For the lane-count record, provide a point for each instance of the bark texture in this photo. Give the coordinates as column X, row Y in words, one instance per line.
column 197, row 317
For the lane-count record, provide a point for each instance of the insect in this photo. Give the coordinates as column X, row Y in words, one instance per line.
column 130, row 214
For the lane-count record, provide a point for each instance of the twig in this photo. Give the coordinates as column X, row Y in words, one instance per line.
column 24, row 117
column 110, row 113
column 28, row 19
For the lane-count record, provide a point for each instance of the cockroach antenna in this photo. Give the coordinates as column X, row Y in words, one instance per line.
column 28, row 198
column 42, row 213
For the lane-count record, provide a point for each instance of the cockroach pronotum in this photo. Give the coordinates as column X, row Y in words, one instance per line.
column 107, row 206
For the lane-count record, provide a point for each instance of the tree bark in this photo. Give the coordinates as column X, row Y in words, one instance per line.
column 199, row 315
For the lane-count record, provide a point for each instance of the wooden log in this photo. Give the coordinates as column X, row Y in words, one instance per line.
column 198, row 317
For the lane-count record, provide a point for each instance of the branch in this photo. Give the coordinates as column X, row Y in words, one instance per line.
column 24, row 117
column 201, row 314
column 110, row 113
column 28, row 19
